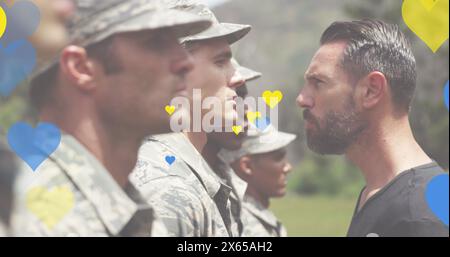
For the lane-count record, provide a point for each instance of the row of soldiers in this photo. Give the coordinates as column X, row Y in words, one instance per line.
column 118, row 170
column 106, row 91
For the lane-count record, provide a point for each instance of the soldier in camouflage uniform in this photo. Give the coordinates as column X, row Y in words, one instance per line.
column 124, row 60
column 7, row 175
column 261, row 162
column 54, row 15
column 187, row 195
column 230, row 141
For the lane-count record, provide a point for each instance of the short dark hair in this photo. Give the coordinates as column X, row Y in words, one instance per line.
column 42, row 86
column 374, row 45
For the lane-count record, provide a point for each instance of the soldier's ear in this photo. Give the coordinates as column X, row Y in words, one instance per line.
column 77, row 67
column 246, row 166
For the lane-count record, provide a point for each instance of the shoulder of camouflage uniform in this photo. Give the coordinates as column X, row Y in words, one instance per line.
column 180, row 206
column 159, row 229
column 154, row 178
column 49, row 204
column 177, row 205
column 152, row 163
column 257, row 219
column 252, row 226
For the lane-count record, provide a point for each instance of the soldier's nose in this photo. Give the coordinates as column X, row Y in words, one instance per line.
column 237, row 80
column 287, row 168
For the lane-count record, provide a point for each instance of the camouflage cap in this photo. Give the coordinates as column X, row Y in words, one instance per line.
column 230, row 31
column 246, row 73
column 97, row 20
column 258, row 142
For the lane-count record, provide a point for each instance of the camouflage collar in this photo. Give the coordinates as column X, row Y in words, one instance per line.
column 180, row 145
column 113, row 205
column 260, row 212
column 239, row 185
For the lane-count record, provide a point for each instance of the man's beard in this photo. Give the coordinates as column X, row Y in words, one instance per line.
column 339, row 132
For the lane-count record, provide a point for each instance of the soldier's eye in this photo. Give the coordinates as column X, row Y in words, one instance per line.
column 157, row 42
column 220, row 63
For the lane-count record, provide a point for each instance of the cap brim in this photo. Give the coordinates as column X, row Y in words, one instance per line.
column 248, row 74
column 282, row 140
column 230, row 31
column 182, row 24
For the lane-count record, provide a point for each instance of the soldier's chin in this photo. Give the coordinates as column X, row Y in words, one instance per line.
column 162, row 128
column 281, row 192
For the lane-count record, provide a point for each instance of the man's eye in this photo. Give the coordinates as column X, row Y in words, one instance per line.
column 280, row 157
column 317, row 83
column 220, row 63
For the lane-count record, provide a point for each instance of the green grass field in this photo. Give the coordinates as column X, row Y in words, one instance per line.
column 314, row 216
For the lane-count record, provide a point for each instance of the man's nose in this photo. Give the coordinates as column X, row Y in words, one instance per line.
column 305, row 101
column 287, row 168
column 237, row 80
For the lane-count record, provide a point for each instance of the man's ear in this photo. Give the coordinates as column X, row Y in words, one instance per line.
column 374, row 88
column 246, row 166
column 77, row 67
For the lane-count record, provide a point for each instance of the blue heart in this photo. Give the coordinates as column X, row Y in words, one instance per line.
column 437, row 196
column 23, row 20
column 446, row 94
column 170, row 159
column 17, row 61
column 34, row 146
column 262, row 123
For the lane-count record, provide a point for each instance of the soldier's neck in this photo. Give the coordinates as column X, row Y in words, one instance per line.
column 210, row 152
column 119, row 157
column 262, row 199
column 116, row 149
column 198, row 139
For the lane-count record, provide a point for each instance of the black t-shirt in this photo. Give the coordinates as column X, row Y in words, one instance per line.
column 400, row 208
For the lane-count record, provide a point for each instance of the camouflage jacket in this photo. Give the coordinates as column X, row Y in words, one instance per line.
column 72, row 194
column 238, row 189
column 187, row 195
column 259, row 221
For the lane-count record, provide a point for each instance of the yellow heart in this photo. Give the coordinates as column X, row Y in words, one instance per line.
column 428, row 19
column 50, row 206
column 252, row 116
column 3, row 22
column 429, row 4
column 170, row 109
column 272, row 99
column 237, row 129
